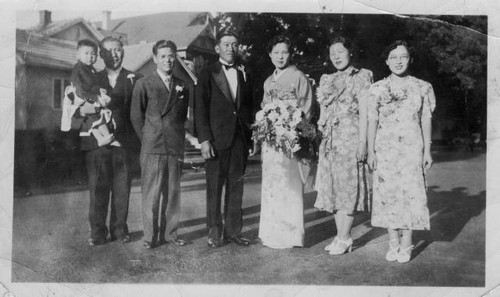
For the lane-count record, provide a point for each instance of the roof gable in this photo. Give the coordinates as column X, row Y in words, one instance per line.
column 58, row 27
column 151, row 28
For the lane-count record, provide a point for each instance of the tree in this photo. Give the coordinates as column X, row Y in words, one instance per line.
column 449, row 51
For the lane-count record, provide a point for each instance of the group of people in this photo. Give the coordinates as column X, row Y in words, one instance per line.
column 373, row 156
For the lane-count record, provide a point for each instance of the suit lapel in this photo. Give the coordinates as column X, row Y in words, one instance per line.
column 164, row 94
column 241, row 82
column 172, row 96
column 222, row 83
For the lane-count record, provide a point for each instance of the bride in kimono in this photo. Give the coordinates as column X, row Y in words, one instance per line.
column 282, row 210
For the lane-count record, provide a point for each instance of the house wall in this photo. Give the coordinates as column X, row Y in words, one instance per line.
column 21, row 110
column 41, row 149
column 40, row 113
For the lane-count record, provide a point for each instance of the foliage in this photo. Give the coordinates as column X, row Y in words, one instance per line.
column 449, row 51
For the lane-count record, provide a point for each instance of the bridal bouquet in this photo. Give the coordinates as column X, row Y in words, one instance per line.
column 282, row 125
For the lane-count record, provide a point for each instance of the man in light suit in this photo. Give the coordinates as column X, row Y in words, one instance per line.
column 223, row 116
column 108, row 167
column 158, row 112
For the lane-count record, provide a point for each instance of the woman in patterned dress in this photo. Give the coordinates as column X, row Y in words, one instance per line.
column 282, row 210
column 399, row 139
column 341, row 178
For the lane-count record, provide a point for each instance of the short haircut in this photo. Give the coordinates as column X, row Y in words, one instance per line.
column 86, row 42
column 225, row 32
column 346, row 42
column 394, row 45
column 163, row 44
column 109, row 39
column 280, row 39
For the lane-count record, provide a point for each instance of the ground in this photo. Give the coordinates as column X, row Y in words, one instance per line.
column 50, row 240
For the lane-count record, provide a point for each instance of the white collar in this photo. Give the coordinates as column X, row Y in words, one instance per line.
column 226, row 63
column 163, row 75
column 277, row 75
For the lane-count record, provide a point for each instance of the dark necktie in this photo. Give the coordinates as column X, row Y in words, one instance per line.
column 229, row 66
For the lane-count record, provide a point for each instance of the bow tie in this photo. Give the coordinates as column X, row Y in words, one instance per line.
column 229, row 66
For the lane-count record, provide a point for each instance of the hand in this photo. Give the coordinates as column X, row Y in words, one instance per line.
column 207, row 150
column 69, row 89
column 372, row 161
column 255, row 150
column 87, row 109
column 427, row 161
column 104, row 100
column 361, row 152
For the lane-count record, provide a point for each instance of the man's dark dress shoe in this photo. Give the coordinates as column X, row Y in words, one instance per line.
column 178, row 242
column 149, row 245
column 213, row 243
column 239, row 240
column 123, row 239
column 96, row 241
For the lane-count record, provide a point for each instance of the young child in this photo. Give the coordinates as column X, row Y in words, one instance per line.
column 87, row 89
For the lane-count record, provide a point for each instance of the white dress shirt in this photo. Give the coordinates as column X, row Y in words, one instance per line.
column 165, row 78
column 232, row 78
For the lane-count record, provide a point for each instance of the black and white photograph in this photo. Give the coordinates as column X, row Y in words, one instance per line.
column 230, row 149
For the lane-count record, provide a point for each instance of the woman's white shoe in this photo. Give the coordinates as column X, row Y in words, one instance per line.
column 404, row 256
column 392, row 254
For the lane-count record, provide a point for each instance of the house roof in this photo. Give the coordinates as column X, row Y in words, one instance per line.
column 58, row 26
column 151, row 28
column 137, row 55
column 38, row 50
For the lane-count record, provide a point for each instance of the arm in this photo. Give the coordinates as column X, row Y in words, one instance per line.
column 138, row 107
column 305, row 94
column 372, row 132
column 428, row 106
column 202, row 115
column 365, row 82
column 372, row 119
column 426, row 131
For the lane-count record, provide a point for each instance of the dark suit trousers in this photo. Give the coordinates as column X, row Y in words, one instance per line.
column 161, row 182
column 227, row 168
column 108, row 171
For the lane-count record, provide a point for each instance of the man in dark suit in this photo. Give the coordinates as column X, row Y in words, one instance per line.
column 223, row 116
column 108, row 167
column 158, row 113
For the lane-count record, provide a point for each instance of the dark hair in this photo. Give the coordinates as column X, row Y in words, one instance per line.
column 225, row 32
column 394, row 45
column 109, row 39
column 280, row 39
column 86, row 42
column 347, row 43
column 164, row 44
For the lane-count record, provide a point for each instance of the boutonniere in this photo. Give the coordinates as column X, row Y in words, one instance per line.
column 131, row 77
column 179, row 90
column 242, row 69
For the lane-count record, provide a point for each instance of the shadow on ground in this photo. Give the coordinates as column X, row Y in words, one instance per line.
column 450, row 211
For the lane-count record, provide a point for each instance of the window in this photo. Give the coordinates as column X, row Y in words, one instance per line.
column 59, row 84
